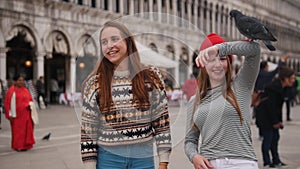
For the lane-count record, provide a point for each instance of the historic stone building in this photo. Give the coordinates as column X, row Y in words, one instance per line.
column 59, row 38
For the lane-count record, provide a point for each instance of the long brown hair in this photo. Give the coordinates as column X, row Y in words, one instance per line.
column 204, row 85
column 139, row 73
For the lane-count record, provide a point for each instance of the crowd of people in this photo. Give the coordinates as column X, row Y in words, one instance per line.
column 125, row 106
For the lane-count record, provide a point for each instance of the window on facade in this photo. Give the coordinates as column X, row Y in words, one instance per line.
column 105, row 4
column 117, row 6
column 93, row 3
column 79, row 2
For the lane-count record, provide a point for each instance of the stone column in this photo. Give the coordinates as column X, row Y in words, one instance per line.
column 196, row 15
column 167, row 12
column 207, row 23
column 182, row 19
column 219, row 25
column 213, row 20
column 98, row 4
column 159, row 10
column 202, row 24
column 3, row 51
column 175, row 17
column 40, row 64
column 189, row 13
column 141, row 3
column 121, row 6
column 229, row 25
column 72, row 75
column 151, row 10
column 110, row 5
column 131, row 7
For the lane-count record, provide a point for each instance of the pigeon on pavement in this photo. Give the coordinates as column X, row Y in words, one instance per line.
column 46, row 137
column 253, row 29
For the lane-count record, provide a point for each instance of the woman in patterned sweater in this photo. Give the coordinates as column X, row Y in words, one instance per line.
column 124, row 108
column 220, row 111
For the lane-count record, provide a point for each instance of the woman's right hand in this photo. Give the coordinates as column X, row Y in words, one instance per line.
column 201, row 162
column 206, row 55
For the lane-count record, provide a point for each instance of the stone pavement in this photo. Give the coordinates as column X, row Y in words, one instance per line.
column 62, row 151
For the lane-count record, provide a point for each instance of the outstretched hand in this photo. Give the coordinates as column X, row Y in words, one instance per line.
column 206, row 55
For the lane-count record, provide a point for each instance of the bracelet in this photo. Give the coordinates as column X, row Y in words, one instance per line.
column 164, row 163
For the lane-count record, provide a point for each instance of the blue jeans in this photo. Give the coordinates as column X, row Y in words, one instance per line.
column 270, row 142
column 137, row 156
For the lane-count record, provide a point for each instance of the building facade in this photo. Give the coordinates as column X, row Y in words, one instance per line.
column 59, row 38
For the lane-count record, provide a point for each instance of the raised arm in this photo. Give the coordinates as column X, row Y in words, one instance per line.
column 250, row 68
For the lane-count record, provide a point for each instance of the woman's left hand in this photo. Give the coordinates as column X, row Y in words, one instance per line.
column 206, row 55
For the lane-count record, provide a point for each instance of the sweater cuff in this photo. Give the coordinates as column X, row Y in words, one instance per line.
column 191, row 156
column 89, row 165
column 164, row 157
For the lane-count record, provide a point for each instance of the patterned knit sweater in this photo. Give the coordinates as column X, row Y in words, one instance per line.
column 126, row 123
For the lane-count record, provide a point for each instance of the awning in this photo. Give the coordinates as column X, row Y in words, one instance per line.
column 150, row 57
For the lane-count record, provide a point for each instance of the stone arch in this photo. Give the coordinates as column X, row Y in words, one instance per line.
column 170, row 51
column 86, row 45
column 26, row 31
column 62, row 37
column 22, row 44
column 86, row 59
column 57, row 42
column 153, row 47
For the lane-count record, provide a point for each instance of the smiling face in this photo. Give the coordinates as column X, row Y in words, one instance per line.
column 113, row 45
column 216, row 70
column 20, row 82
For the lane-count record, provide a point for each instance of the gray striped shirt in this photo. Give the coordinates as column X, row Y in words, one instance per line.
column 222, row 134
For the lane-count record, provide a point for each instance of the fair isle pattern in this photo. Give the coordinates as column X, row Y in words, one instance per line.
column 223, row 136
column 126, row 122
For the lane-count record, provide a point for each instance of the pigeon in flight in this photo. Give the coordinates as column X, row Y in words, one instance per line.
column 46, row 137
column 253, row 29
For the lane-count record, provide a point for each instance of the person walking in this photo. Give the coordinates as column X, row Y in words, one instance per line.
column 189, row 87
column 271, row 119
column 53, row 90
column 124, row 107
column 264, row 77
column 18, row 112
column 220, row 110
column 41, row 93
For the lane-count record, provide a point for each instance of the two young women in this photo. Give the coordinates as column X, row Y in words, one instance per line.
column 125, row 107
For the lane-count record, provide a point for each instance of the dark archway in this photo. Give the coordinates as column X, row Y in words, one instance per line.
column 19, row 57
column 56, row 68
column 84, row 66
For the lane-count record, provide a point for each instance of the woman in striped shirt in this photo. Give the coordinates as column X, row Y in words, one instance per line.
column 220, row 111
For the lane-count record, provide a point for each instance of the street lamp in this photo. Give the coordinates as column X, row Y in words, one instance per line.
column 28, row 63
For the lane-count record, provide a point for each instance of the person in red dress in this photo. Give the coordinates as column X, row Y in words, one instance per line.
column 17, row 111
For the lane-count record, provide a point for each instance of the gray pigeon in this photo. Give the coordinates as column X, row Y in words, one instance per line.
column 253, row 29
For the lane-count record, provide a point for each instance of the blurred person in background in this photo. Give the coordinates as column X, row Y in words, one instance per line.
column 271, row 119
column 18, row 112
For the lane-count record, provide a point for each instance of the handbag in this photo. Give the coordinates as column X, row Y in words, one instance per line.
column 34, row 113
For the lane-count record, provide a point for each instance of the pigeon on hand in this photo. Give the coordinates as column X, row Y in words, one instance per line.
column 46, row 137
column 253, row 29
